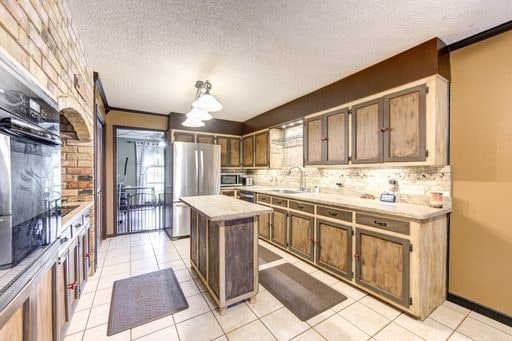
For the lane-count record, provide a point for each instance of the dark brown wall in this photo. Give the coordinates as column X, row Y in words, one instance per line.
column 213, row 126
column 418, row 62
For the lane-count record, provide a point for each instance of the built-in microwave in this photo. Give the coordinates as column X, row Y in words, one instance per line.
column 230, row 179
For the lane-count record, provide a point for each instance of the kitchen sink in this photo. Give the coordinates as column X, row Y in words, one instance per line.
column 285, row 191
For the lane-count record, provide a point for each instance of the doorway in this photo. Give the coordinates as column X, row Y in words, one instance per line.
column 140, row 173
column 99, row 183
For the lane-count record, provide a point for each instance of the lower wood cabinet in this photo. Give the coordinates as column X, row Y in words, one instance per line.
column 279, row 227
column 382, row 264
column 334, row 247
column 264, row 226
column 302, row 232
column 43, row 309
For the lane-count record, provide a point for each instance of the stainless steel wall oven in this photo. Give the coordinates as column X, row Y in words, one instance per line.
column 30, row 174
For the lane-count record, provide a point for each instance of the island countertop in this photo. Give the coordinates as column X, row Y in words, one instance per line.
column 221, row 207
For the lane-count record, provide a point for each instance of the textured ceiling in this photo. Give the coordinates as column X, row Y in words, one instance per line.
column 257, row 54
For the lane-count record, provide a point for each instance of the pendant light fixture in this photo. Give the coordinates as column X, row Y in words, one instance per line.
column 203, row 103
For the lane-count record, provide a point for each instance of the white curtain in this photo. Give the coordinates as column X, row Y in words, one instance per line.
column 147, row 154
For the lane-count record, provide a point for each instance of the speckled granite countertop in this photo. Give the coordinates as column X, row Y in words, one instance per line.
column 221, row 207
column 409, row 211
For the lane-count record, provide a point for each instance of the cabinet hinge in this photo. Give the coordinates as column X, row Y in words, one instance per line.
column 426, row 153
column 350, row 111
column 350, row 158
column 410, row 248
column 352, row 232
column 410, row 300
column 426, row 90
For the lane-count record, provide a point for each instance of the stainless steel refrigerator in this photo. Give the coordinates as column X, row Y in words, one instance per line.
column 191, row 169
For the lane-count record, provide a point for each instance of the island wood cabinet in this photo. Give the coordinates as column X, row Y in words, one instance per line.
column 44, row 307
column 327, row 138
column 407, row 124
column 401, row 261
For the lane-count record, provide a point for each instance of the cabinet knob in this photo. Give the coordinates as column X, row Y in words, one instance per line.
column 88, row 255
column 356, row 256
column 300, row 206
column 78, row 225
column 72, row 286
column 333, row 214
column 325, row 139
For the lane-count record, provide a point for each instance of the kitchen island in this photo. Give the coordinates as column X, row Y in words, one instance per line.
column 224, row 246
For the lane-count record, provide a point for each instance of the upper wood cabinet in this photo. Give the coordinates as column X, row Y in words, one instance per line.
column 184, row 137
column 229, row 151
column 367, row 131
column 262, row 149
column 405, row 125
column 208, row 139
column 248, row 151
column 326, row 138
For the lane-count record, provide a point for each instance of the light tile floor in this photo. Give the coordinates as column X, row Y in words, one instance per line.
column 360, row 317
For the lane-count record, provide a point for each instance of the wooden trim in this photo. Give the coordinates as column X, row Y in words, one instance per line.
column 422, row 127
column 141, row 112
column 404, row 300
column 349, row 232
column 481, row 309
column 380, row 102
column 99, row 86
column 494, row 31
column 114, row 167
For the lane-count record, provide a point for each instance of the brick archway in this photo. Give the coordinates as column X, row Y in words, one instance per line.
column 70, row 109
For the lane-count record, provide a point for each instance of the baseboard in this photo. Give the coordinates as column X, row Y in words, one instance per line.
column 491, row 313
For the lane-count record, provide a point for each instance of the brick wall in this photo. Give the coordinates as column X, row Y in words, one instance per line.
column 77, row 165
column 39, row 36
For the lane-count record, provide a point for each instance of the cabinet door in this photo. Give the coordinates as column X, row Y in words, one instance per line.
column 405, row 125
column 336, row 126
column 262, row 149
column 234, row 152
column 334, row 247
column 84, row 259
column 248, row 151
column 63, row 309
column 264, row 226
column 367, row 132
column 13, row 327
column 279, row 227
column 44, row 306
column 382, row 265
column 222, row 141
column 313, row 137
column 208, row 139
column 302, row 235
column 73, row 269
column 184, row 137
column 202, row 226
column 194, row 238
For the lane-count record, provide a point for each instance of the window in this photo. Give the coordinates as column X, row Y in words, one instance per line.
column 155, row 178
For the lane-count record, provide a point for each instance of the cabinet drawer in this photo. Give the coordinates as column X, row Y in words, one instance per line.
column 279, row 202
column 398, row 226
column 300, row 206
column 264, row 198
column 334, row 213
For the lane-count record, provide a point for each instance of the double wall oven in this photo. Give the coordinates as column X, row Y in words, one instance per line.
column 30, row 174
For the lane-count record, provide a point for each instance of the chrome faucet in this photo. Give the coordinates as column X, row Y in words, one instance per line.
column 302, row 186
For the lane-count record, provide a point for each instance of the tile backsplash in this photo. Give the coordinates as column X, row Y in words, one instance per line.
column 414, row 182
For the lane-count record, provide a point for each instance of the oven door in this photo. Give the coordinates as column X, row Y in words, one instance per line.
column 30, row 199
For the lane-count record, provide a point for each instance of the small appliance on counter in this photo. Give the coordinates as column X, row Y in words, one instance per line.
column 230, row 179
column 247, row 181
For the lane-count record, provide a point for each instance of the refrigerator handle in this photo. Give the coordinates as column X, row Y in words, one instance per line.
column 201, row 175
column 197, row 169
